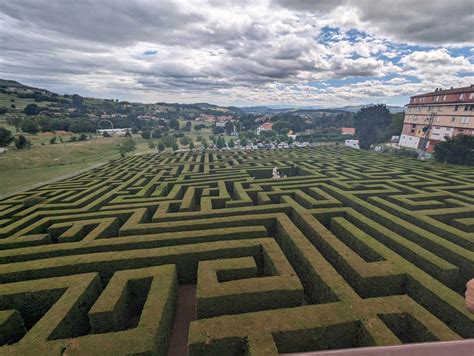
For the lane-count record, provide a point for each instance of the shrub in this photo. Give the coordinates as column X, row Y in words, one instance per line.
column 5, row 137
column 53, row 140
column 29, row 125
column 21, row 142
column 459, row 150
column 32, row 201
column 146, row 135
column 127, row 146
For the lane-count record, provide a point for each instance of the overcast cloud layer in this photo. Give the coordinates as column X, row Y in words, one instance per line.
column 283, row 52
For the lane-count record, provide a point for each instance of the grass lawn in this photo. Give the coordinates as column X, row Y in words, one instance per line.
column 20, row 103
column 22, row 168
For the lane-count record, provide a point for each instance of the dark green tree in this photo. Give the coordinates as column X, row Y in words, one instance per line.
column 174, row 124
column 231, row 143
column 82, row 125
column 458, row 150
column 161, row 146
column 368, row 124
column 32, row 109
column 220, row 142
column 29, row 125
column 21, row 142
column 5, row 137
column 168, row 141
column 229, row 127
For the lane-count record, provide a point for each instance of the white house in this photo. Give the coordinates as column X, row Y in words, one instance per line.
column 118, row 132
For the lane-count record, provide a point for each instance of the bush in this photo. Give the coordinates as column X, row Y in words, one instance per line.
column 21, row 142
column 82, row 125
column 5, row 137
column 32, row 201
column 458, row 150
column 106, row 134
column 32, row 109
column 146, row 135
column 127, row 145
column 52, row 140
column 29, row 125
column 82, row 137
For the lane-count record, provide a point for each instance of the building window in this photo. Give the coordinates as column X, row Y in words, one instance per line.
column 445, row 97
column 412, row 130
column 471, row 96
column 466, row 107
column 453, row 119
column 413, row 125
column 456, row 107
column 464, row 120
column 461, row 96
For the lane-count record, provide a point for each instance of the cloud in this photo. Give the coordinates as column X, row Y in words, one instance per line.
column 236, row 52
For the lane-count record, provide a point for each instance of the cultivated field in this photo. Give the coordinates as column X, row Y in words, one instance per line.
column 350, row 249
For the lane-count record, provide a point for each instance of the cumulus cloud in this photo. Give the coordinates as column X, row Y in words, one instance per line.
column 320, row 53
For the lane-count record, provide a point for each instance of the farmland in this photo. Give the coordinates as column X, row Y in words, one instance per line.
column 350, row 249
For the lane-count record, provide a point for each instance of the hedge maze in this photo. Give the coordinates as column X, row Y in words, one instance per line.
column 350, row 249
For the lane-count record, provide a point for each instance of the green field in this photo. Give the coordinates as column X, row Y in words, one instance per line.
column 20, row 103
column 206, row 253
column 22, row 168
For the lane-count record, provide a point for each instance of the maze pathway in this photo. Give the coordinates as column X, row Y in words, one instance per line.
column 351, row 249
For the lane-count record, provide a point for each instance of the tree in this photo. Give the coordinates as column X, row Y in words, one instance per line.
column 394, row 128
column 168, row 141
column 175, row 147
column 368, row 123
column 127, row 145
column 15, row 120
column 161, row 146
column 281, row 126
column 231, row 143
column 184, row 140
column 229, row 127
column 77, row 101
column 220, row 142
column 458, row 150
column 32, row 109
column 191, row 144
column 21, row 142
column 217, row 130
column 174, row 124
column 243, row 142
column 3, row 110
column 29, row 125
column 5, row 137
column 128, row 134
column 82, row 125
column 151, row 145
column 187, row 126
column 53, row 140
column 146, row 134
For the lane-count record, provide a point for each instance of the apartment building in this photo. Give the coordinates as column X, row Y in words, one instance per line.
column 432, row 117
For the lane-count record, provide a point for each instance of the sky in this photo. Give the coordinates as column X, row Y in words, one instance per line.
column 326, row 53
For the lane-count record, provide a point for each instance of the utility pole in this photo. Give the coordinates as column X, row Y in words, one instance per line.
column 427, row 131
